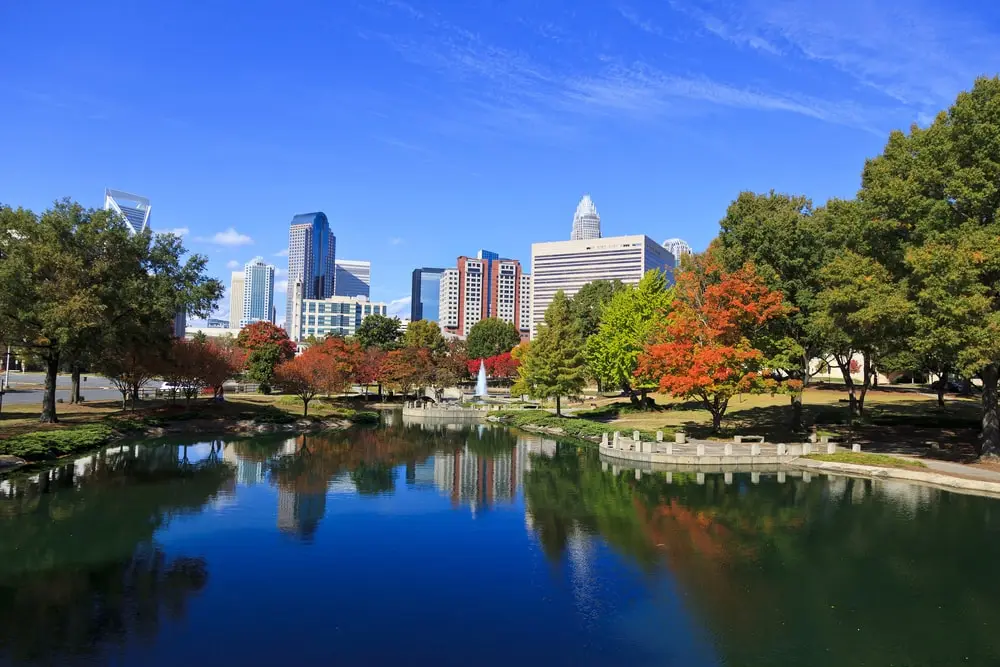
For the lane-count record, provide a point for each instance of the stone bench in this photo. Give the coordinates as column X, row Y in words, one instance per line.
column 739, row 439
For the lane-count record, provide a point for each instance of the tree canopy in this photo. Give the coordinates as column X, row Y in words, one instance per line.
column 553, row 365
column 378, row 331
column 490, row 337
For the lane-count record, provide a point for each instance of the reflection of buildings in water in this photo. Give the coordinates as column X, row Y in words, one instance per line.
column 580, row 551
column 248, row 472
column 535, row 444
column 480, row 481
column 291, row 445
column 300, row 513
column 342, row 484
column 421, row 474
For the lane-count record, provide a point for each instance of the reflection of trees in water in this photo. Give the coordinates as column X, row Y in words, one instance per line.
column 78, row 568
column 842, row 572
column 373, row 478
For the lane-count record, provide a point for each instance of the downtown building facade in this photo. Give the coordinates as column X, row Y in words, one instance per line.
column 334, row 315
column 569, row 265
column 312, row 250
column 353, row 277
column 235, row 299
column 481, row 287
column 258, row 292
column 425, row 294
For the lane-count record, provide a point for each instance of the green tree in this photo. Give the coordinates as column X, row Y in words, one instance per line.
column 425, row 334
column 780, row 235
column 261, row 364
column 378, row 331
column 490, row 337
column 861, row 309
column 939, row 187
column 588, row 304
column 626, row 328
column 554, row 364
column 74, row 282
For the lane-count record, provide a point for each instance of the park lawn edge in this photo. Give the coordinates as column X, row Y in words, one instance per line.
column 868, row 459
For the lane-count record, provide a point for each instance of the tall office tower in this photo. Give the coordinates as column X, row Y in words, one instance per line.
column 480, row 287
column 312, row 250
column 569, row 265
column 353, row 277
column 425, row 294
column 258, row 292
column 678, row 248
column 133, row 208
column 448, row 301
column 524, row 307
column 236, row 299
column 586, row 221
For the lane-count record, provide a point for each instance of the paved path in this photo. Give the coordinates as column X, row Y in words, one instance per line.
column 957, row 469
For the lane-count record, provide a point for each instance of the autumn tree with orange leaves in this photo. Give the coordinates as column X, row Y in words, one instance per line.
column 706, row 348
column 342, row 357
column 305, row 376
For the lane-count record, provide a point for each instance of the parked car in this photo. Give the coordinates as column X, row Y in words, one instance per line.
column 951, row 386
column 171, row 387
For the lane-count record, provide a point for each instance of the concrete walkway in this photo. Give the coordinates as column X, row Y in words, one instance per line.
column 956, row 469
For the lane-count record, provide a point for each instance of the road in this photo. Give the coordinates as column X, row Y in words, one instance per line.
column 26, row 388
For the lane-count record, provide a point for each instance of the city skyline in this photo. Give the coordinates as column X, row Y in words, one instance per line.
column 663, row 112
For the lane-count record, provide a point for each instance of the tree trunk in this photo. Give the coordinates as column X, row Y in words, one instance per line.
column 844, row 364
column 867, row 370
column 48, row 415
column 74, row 390
column 942, row 381
column 990, row 443
column 305, row 407
column 558, row 408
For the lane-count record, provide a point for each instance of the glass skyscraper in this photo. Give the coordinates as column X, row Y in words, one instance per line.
column 312, row 250
column 425, row 294
column 586, row 221
column 354, row 278
column 133, row 208
column 258, row 292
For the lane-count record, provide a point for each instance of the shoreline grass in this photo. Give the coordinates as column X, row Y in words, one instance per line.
column 867, row 459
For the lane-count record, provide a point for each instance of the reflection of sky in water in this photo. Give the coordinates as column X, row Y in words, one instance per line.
column 441, row 562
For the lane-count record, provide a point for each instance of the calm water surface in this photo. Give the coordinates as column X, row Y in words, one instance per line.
column 481, row 546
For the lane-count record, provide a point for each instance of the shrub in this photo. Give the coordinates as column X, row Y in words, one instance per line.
column 571, row 426
column 42, row 445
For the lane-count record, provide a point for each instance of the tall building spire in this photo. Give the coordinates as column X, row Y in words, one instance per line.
column 586, row 221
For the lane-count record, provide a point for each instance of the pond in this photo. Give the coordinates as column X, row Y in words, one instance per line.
column 460, row 545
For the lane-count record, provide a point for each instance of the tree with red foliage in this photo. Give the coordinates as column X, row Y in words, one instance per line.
column 367, row 368
column 341, row 358
column 260, row 334
column 304, row 375
column 267, row 346
column 500, row 366
column 407, row 368
column 221, row 362
column 706, row 349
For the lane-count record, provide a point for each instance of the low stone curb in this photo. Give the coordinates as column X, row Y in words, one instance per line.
column 947, row 482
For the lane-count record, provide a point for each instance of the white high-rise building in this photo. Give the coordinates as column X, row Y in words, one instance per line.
column 258, row 292
column 678, row 248
column 569, row 265
column 473, row 306
column 586, row 221
column 524, row 305
column 353, row 277
column 334, row 315
column 236, row 299
column 448, row 300
column 133, row 208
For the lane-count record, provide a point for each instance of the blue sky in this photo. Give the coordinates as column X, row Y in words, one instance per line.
column 426, row 130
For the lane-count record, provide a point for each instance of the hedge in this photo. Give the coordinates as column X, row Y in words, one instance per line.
column 42, row 445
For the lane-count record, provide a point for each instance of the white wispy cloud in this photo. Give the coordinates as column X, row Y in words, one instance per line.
column 395, row 240
column 282, row 253
column 633, row 17
column 399, row 307
column 176, row 231
column 278, row 271
column 230, row 237
column 507, row 89
column 232, row 264
column 281, row 286
column 917, row 53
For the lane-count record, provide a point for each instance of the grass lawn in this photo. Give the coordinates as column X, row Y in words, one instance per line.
column 866, row 459
column 19, row 419
column 892, row 415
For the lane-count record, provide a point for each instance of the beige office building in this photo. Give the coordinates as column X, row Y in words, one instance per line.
column 569, row 265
